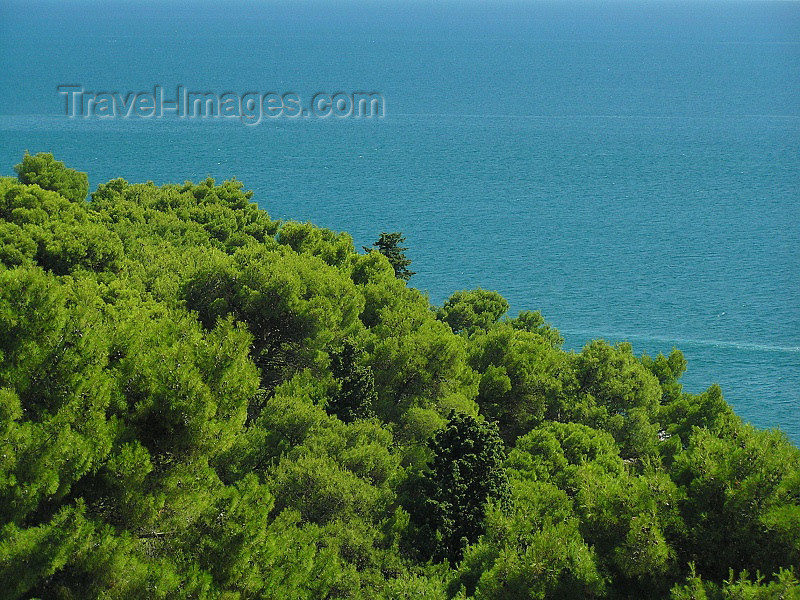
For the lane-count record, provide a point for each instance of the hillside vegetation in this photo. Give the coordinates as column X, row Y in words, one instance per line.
column 197, row 401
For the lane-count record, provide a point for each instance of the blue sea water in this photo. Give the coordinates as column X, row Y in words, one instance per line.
column 629, row 168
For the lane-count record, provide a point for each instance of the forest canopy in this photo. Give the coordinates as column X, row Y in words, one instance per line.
column 198, row 401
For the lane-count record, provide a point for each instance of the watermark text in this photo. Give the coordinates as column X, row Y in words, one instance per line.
column 250, row 108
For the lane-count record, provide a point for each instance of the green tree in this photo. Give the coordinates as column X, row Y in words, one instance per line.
column 561, row 452
column 388, row 244
column 532, row 549
column 466, row 474
column 785, row 586
column 534, row 322
column 43, row 227
column 617, row 394
column 634, row 525
column 336, row 249
column 51, row 174
column 417, row 361
column 742, row 504
column 521, row 378
column 469, row 310
column 294, row 305
column 668, row 370
column 355, row 397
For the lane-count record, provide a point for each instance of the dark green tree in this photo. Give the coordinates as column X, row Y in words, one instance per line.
column 466, row 473
column 388, row 244
column 356, row 395
column 51, row 174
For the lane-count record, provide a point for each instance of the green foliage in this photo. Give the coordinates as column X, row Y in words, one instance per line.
column 44, row 228
column 465, row 475
column 533, row 549
column 521, row 378
column 743, row 501
column 619, row 395
column 53, row 343
column 388, row 244
column 472, row 310
column 294, row 306
column 199, row 402
column 417, row 361
column 633, row 523
column 356, row 395
column 51, row 174
column 322, row 490
column 336, row 249
column 534, row 322
column 708, row 410
column 668, row 370
column 785, row 586
column 564, row 453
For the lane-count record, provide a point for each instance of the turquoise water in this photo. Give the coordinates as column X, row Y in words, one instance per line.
column 630, row 169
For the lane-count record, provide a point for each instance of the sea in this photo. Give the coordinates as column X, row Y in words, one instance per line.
column 630, row 168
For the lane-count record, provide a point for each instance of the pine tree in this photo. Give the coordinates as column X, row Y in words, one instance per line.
column 388, row 244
